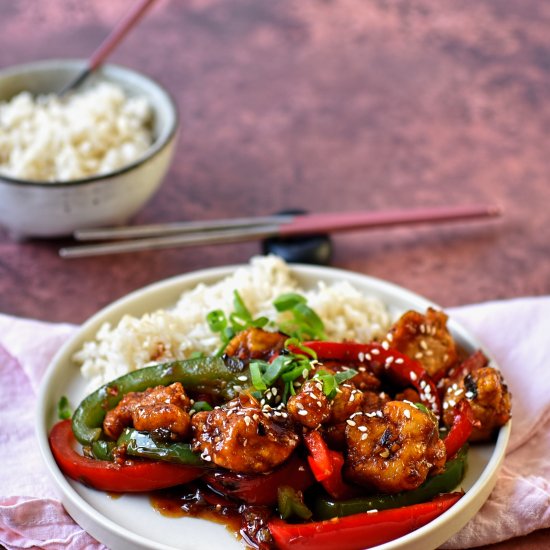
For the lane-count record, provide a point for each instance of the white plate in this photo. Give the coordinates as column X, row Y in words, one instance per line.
column 129, row 522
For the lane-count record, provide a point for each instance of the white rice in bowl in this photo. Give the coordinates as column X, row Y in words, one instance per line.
column 93, row 132
column 179, row 332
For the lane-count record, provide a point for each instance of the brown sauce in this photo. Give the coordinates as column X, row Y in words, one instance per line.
column 197, row 502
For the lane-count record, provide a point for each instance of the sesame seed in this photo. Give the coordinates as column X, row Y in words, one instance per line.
column 459, row 391
column 418, row 355
column 413, row 376
column 274, row 391
column 255, row 417
column 299, row 405
column 242, row 378
column 422, row 329
column 389, row 337
column 368, row 356
column 468, row 395
column 362, row 428
column 364, row 437
column 247, row 420
column 399, row 360
column 351, row 422
column 452, row 402
column 237, row 388
column 389, row 360
column 379, row 413
column 362, row 369
column 384, row 453
column 407, row 413
column 319, row 404
column 361, row 356
column 302, row 412
column 375, row 351
column 423, row 344
column 422, row 384
column 373, row 511
column 385, row 345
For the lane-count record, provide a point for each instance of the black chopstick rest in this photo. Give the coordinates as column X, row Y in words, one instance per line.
column 307, row 249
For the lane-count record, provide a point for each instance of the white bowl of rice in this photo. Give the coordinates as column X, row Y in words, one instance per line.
column 88, row 159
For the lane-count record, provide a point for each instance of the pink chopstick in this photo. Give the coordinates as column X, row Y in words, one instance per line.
column 109, row 44
column 348, row 221
column 118, row 33
column 150, row 237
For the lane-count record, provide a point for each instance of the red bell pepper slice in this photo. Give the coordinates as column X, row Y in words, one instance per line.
column 260, row 489
column 326, row 466
column 360, row 530
column 463, row 424
column 406, row 370
column 320, row 461
column 137, row 476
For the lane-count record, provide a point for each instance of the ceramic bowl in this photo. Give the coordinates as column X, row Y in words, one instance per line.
column 53, row 209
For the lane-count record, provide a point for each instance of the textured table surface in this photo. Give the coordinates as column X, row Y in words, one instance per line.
column 330, row 106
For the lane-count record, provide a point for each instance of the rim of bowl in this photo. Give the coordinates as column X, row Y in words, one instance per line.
column 77, row 64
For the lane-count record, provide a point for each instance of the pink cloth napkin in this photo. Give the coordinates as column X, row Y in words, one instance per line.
column 515, row 331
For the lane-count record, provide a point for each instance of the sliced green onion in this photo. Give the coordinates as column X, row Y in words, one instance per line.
column 286, row 302
column 256, row 376
column 275, row 369
column 202, row 406
column 309, row 322
column 344, row 375
column 64, row 411
column 217, row 321
column 294, row 374
column 332, row 381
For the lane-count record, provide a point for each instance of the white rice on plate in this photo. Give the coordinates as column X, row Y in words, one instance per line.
column 177, row 333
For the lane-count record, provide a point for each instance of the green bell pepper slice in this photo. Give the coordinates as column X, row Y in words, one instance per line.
column 145, row 445
column 326, row 508
column 204, row 374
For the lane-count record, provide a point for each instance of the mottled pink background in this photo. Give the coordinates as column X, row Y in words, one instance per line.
column 327, row 105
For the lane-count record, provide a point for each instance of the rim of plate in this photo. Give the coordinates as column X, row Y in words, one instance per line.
column 474, row 497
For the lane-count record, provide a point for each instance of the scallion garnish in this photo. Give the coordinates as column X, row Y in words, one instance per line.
column 332, row 381
column 303, row 323
column 239, row 320
column 64, row 411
